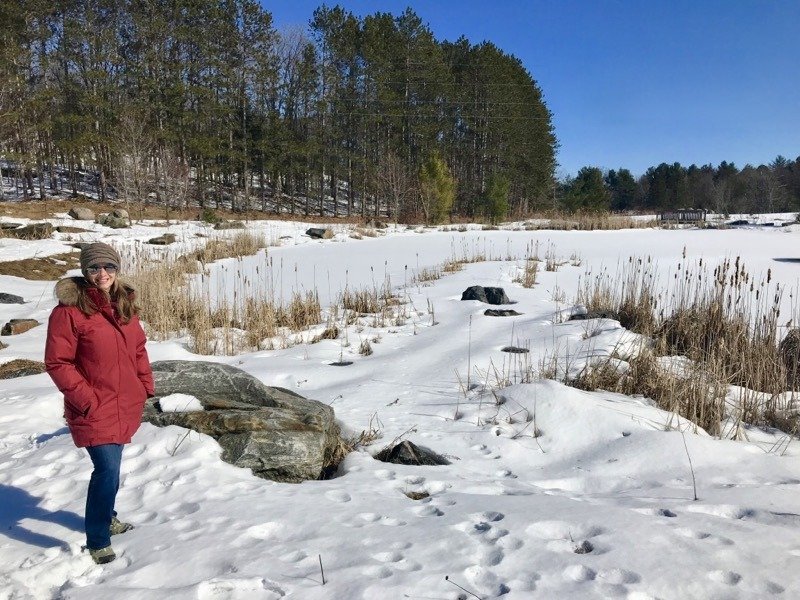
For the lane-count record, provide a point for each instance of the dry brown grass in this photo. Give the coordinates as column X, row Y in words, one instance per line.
column 427, row 275
column 527, row 276
column 244, row 243
column 452, row 266
column 365, row 232
column 42, row 268
column 589, row 221
column 365, row 348
column 725, row 323
column 363, row 301
column 20, row 367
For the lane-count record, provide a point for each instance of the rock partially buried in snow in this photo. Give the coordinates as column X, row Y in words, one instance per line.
column 116, row 219
column 595, row 314
column 163, row 240
column 488, row 295
column 319, row 233
column 17, row 326
column 506, row 312
column 11, row 299
column 278, row 434
column 81, row 214
column 514, row 350
column 230, row 225
column 408, row 453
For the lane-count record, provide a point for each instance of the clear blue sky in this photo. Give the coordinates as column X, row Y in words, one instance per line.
column 638, row 82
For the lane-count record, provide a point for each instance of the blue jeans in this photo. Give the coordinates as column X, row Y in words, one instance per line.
column 102, row 494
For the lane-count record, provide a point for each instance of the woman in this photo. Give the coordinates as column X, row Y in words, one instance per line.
column 95, row 355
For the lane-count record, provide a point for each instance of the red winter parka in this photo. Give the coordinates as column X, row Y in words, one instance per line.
column 99, row 364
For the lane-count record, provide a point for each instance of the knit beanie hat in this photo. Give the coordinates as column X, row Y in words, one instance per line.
column 98, row 253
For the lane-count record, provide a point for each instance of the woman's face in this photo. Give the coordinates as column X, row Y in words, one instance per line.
column 102, row 276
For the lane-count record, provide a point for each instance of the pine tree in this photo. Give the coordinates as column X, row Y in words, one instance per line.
column 437, row 189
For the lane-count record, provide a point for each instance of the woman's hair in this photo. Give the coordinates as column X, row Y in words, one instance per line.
column 119, row 294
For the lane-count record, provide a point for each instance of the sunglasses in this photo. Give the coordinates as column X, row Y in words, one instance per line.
column 95, row 269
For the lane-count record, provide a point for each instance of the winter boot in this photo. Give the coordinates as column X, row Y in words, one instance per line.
column 102, row 555
column 118, row 526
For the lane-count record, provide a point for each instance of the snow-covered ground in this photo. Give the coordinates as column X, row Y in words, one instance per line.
column 537, row 470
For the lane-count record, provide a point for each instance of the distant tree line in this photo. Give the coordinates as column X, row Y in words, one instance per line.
column 723, row 189
column 203, row 103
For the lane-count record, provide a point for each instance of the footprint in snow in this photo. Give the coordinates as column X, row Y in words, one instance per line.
column 380, row 519
column 295, row 556
column 763, row 588
column 525, row 582
column 726, row 511
column 253, row 588
column 385, row 474
column 485, row 581
column 338, row 496
column 265, row 531
column 190, row 535
column 482, row 449
column 490, row 556
column 388, row 557
column 656, row 512
column 692, row 533
column 370, row 517
column 132, row 450
column 378, row 572
column 579, row 573
column 618, row 576
column 427, row 511
column 488, row 516
column 561, row 530
column 180, row 509
column 511, row 543
column 505, row 473
column 726, row 577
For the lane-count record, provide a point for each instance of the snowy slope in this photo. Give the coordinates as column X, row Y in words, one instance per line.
column 537, row 470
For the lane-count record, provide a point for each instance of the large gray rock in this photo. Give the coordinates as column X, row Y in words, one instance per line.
column 80, row 213
column 489, row 295
column 408, row 453
column 6, row 298
column 163, row 240
column 319, row 233
column 501, row 312
column 230, row 225
column 595, row 314
column 116, row 219
column 17, row 326
column 277, row 433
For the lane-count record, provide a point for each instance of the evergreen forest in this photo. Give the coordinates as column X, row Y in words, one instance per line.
column 204, row 103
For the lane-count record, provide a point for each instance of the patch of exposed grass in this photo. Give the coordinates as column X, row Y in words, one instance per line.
column 41, row 268
column 20, row 367
column 724, row 322
column 244, row 243
column 589, row 221
column 527, row 275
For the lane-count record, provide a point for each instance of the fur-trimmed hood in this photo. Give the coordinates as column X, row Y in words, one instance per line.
column 69, row 289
